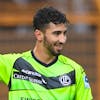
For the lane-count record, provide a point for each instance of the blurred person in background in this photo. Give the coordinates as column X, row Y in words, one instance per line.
column 43, row 73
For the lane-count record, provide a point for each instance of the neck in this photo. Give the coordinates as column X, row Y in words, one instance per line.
column 41, row 54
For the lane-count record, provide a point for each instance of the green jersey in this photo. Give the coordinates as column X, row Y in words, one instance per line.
column 30, row 79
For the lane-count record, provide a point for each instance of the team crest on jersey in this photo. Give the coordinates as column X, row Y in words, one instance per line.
column 86, row 82
column 65, row 80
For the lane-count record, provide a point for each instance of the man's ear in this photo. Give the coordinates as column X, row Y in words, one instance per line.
column 38, row 35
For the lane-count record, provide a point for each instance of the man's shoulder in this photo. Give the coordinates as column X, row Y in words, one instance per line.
column 21, row 54
column 14, row 56
column 25, row 54
column 68, row 61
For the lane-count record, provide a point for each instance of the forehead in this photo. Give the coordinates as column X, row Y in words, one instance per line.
column 56, row 27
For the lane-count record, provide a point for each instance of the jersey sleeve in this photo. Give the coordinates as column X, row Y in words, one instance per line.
column 83, row 89
column 6, row 64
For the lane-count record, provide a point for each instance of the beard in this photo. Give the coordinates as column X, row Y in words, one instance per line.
column 50, row 47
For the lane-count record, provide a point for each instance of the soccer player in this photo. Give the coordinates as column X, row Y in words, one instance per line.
column 44, row 73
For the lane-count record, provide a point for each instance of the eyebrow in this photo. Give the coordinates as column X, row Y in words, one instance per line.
column 55, row 32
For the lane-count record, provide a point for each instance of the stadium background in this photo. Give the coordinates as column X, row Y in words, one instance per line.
column 83, row 46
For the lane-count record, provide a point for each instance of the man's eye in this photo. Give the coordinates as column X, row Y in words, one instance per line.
column 57, row 33
column 65, row 33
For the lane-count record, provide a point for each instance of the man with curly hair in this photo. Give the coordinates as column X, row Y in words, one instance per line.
column 44, row 73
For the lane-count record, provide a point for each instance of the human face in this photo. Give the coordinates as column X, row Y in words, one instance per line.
column 55, row 38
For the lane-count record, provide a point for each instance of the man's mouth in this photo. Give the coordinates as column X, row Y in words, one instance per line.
column 59, row 47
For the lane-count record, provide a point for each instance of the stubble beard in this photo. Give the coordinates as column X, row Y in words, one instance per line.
column 50, row 47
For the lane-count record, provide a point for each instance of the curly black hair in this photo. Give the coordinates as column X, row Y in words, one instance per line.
column 46, row 15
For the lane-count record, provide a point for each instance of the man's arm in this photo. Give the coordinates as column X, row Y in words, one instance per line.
column 6, row 65
column 83, row 89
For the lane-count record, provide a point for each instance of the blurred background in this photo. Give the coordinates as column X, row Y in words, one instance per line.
column 16, row 34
